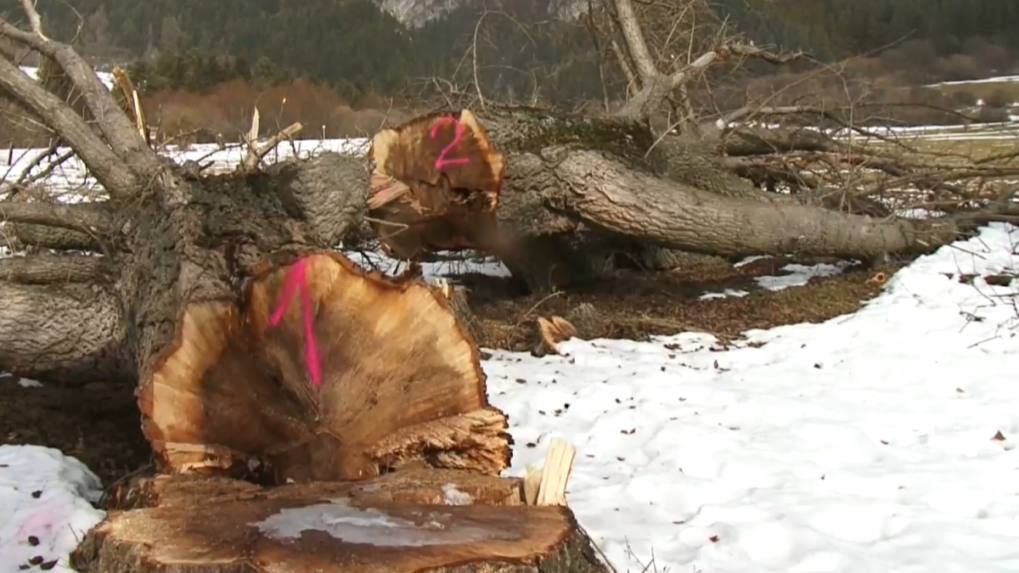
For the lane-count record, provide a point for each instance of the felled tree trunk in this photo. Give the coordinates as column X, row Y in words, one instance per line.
column 177, row 285
column 577, row 190
column 183, row 302
column 414, row 521
column 176, row 282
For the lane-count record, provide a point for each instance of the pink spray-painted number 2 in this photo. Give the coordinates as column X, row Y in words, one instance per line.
column 298, row 278
column 442, row 162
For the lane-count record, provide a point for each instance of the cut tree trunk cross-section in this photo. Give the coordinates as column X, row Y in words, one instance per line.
column 401, row 383
column 416, row 521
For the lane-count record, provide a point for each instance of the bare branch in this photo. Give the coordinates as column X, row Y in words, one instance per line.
column 632, row 82
column 34, row 20
column 633, row 35
column 654, row 85
column 104, row 164
column 29, row 179
column 255, row 153
column 113, row 122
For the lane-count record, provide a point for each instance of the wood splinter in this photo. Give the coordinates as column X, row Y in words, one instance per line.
column 555, row 330
column 257, row 152
column 133, row 102
column 548, row 485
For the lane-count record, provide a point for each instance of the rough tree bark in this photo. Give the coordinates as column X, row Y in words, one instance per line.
column 180, row 295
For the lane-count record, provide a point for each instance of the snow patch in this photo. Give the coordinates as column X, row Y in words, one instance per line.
column 23, row 382
column 880, row 440
column 800, row 275
column 45, row 507
column 724, row 294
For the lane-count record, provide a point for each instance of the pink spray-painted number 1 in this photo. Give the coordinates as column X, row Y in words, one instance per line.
column 297, row 277
column 442, row 161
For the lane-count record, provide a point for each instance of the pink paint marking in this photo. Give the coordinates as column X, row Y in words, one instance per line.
column 442, row 161
column 298, row 277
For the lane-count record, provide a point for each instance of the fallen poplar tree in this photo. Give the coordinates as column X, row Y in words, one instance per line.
column 174, row 283
column 260, row 355
column 558, row 196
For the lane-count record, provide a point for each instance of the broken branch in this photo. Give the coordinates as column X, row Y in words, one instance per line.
column 132, row 101
column 255, row 153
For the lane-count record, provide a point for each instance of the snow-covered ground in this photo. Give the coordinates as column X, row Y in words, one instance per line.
column 877, row 441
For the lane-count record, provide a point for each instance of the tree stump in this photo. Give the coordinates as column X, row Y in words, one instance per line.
column 414, row 521
column 401, row 382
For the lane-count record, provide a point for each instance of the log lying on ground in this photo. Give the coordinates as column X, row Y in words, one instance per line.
column 417, row 521
column 577, row 185
column 401, row 383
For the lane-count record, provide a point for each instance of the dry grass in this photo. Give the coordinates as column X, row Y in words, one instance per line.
column 636, row 305
column 226, row 111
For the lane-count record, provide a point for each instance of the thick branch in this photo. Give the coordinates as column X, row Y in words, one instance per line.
column 82, row 337
column 45, row 268
column 90, row 217
column 633, row 35
column 113, row 122
column 655, row 86
column 655, row 90
column 51, row 237
column 104, row 164
column 607, row 195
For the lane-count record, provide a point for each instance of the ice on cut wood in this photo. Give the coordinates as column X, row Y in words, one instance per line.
column 452, row 496
column 374, row 527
